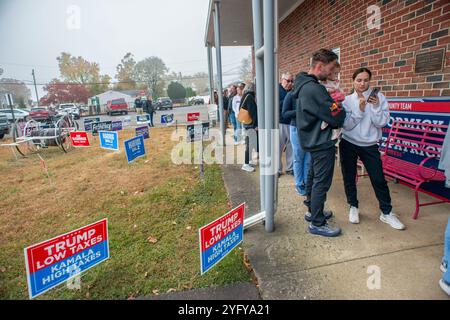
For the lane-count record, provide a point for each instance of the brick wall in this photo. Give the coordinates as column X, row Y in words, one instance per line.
column 408, row 27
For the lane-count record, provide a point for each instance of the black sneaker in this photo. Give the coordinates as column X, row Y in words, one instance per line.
column 326, row 230
column 327, row 214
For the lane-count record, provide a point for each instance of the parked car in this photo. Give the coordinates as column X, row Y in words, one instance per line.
column 19, row 114
column 42, row 114
column 197, row 101
column 117, row 106
column 163, row 103
column 70, row 108
column 4, row 125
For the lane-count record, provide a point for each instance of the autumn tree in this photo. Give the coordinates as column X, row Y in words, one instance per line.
column 245, row 69
column 151, row 71
column 124, row 74
column 77, row 70
column 176, row 91
column 62, row 92
column 17, row 89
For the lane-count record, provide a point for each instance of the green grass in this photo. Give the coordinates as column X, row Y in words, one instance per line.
column 169, row 206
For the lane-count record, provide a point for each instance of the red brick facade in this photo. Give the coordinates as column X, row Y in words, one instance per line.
column 408, row 27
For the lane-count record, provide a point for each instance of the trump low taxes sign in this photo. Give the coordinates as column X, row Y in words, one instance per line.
column 54, row 261
column 218, row 238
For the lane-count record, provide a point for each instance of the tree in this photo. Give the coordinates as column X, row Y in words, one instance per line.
column 61, row 92
column 18, row 89
column 245, row 70
column 151, row 71
column 125, row 71
column 190, row 92
column 176, row 91
column 80, row 71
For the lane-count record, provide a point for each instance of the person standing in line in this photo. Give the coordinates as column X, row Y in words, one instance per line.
column 301, row 157
column 367, row 114
column 225, row 107
column 444, row 283
column 314, row 105
column 231, row 116
column 248, row 103
column 138, row 104
column 236, row 104
column 287, row 81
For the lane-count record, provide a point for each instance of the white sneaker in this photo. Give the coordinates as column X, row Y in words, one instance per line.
column 443, row 267
column 444, row 286
column 353, row 215
column 236, row 143
column 254, row 162
column 248, row 168
column 243, row 142
column 392, row 220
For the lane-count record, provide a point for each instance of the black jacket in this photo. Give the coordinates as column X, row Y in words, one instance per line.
column 314, row 105
column 230, row 103
column 288, row 111
column 248, row 103
column 282, row 95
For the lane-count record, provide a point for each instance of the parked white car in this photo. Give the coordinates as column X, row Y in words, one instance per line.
column 19, row 114
column 70, row 108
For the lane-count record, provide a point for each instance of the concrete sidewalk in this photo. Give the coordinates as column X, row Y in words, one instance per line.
column 290, row 263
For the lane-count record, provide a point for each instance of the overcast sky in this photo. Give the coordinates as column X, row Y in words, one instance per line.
column 33, row 33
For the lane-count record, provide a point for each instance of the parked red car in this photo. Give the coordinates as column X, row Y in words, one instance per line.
column 117, row 106
column 42, row 114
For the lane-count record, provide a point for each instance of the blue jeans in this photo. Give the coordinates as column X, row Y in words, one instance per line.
column 446, row 258
column 301, row 160
column 233, row 122
column 237, row 128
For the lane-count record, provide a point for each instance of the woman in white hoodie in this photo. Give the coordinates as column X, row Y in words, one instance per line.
column 366, row 116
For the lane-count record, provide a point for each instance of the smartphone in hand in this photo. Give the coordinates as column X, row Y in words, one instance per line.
column 374, row 93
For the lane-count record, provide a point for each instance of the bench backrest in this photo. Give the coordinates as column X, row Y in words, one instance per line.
column 422, row 139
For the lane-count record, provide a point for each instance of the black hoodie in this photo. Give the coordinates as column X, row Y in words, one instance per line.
column 313, row 106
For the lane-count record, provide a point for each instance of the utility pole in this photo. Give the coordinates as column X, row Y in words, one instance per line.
column 35, row 87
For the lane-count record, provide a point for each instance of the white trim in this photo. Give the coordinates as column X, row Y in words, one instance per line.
column 294, row 6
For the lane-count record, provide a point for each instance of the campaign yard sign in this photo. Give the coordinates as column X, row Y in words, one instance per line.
column 101, row 126
column 109, row 140
column 116, row 126
column 126, row 121
column 88, row 123
column 218, row 238
column 195, row 116
column 143, row 131
column 54, row 261
column 134, row 148
column 79, row 138
column 143, row 119
column 167, row 118
column 194, row 132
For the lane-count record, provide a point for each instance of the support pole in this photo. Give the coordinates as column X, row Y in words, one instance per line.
column 259, row 68
column 269, row 99
column 35, row 87
column 217, row 41
column 210, row 74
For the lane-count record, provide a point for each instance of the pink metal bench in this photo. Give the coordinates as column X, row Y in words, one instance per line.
column 421, row 139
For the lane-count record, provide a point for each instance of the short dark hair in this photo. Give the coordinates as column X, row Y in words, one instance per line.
column 361, row 70
column 323, row 55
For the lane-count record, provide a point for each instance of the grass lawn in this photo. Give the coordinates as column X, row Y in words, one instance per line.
column 148, row 199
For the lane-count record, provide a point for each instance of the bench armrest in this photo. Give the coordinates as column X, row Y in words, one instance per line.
column 423, row 173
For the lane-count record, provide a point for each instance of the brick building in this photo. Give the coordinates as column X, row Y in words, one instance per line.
column 407, row 29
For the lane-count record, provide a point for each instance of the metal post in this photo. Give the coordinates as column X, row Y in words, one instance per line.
column 210, row 74
column 269, row 98
column 276, row 109
column 259, row 68
column 35, row 87
column 217, row 41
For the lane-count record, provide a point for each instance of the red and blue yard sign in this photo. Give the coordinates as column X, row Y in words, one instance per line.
column 218, row 238
column 54, row 261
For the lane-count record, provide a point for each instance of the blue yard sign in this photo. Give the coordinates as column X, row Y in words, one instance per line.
column 88, row 123
column 134, row 148
column 109, row 140
column 117, row 125
column 143, row 131
column 143, row 119
column 166, row 118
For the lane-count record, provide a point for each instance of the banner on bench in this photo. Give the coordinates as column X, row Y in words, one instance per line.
column 420, row 110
